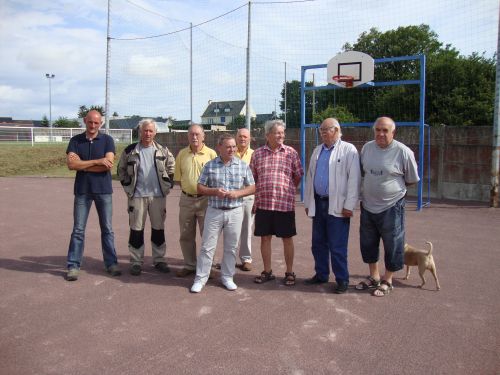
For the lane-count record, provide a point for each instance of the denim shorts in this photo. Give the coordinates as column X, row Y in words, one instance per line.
column 388, row 225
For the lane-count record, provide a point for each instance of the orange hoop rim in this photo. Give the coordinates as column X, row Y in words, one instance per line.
column 348, row 80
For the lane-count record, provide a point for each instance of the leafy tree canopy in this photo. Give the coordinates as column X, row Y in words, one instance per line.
column 339, row 112
column 45, row 121
column 83, row 110
column 64, row 122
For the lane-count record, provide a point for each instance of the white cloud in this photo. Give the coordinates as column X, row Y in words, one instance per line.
column 150, row 67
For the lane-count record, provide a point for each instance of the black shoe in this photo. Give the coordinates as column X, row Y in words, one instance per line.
column 162, row 267
column 135, row 270
column 314, row 280
column 341, row 288
column 114, row 270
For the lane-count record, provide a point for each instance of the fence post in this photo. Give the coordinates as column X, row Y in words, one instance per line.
column 441, row 153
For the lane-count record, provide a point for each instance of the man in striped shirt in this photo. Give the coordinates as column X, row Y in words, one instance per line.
column 225, row 180
column 277, row 172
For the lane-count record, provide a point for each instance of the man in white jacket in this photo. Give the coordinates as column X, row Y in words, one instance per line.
column 332, row 191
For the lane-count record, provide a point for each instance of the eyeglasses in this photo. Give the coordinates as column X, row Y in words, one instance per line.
column 324, row 130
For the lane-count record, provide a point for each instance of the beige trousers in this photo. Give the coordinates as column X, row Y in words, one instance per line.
column 191, row 211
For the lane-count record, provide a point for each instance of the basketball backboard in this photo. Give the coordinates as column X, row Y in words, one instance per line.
column 358, row 65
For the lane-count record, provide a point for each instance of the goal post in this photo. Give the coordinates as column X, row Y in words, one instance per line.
column 362, row 82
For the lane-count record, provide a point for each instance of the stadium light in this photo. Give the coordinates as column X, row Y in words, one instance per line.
column 50, row 77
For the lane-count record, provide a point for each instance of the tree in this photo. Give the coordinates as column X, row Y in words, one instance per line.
column 339, row 112
column 45, row 121
column 115, row 114
column 64, row 122
column 459, row 89
column 293, row 104
column 239, row 122
column 83, row 110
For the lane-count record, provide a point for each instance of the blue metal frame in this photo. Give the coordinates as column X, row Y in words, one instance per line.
column 420, row 123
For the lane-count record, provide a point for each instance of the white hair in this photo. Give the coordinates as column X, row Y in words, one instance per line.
column 271, row 124
column 147, row 121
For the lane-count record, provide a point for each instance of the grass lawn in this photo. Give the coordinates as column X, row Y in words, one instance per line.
column 21, row 159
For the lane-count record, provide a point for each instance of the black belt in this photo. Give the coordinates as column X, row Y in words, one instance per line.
column 226, row 208
column 192, row 195
column 321, row 198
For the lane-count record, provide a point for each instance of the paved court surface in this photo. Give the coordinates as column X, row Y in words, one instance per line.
column 152, row 325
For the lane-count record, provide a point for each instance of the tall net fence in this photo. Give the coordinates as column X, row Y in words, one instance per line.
column 39, row 135
column 152, row 54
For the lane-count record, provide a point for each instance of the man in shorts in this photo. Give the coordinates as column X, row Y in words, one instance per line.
column 387, row 168
column 277, row 172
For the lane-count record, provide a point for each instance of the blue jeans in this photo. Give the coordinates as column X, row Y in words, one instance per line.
column 388, row 225
column 81, row 209
column 330, row 235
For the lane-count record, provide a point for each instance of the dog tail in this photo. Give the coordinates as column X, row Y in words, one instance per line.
column 430, row 247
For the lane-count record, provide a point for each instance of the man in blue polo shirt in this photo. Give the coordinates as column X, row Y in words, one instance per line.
column 91, row 155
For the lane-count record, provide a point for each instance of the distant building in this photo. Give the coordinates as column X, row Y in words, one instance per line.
column 8, row 121
column 261, row 119
column 223, row 113
column 132, row 122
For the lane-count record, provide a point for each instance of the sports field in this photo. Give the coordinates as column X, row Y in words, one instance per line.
column 151, row 324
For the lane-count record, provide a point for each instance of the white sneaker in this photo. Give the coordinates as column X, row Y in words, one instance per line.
column 229, row 284
column 197, row 287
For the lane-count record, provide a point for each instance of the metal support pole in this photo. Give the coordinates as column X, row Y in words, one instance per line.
column 314, row 100
column 50, row 76
column 285, row 95
column 421, row 154
column 302, row 127
column 248, row 114
column 495, row 155
column 108, row 52
column 191, row 73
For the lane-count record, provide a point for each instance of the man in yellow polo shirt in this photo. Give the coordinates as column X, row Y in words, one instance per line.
column 192, row 206
column 244, row 152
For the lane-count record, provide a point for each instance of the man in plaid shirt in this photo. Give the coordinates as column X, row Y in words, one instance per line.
column 277, row 172
column 225, row 180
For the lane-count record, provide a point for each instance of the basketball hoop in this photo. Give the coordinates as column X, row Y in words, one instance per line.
column 346, row 80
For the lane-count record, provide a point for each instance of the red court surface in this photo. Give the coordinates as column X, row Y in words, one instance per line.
column 151, row 324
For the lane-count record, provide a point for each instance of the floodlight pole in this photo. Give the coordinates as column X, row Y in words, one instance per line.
column 108, row 51
column 50, row 77
column 285, row 94
column 248, row 114
column 495, row 155
column 191, row 73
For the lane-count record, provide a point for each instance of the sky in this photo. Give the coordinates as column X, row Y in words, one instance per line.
column 67, row 38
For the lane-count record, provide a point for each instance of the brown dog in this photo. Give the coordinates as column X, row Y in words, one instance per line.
column 423, row 259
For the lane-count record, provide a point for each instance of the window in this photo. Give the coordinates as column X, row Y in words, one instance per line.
column 223, row 119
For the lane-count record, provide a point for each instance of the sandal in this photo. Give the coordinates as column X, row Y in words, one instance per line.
column 370, row 283
column 289, row 279
column 264, row 277
column 383, row 289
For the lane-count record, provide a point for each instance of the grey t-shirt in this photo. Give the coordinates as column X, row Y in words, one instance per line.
column 147, row 180
column 385, row 172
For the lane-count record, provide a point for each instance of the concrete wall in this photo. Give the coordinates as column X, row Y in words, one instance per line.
column 460, row 157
